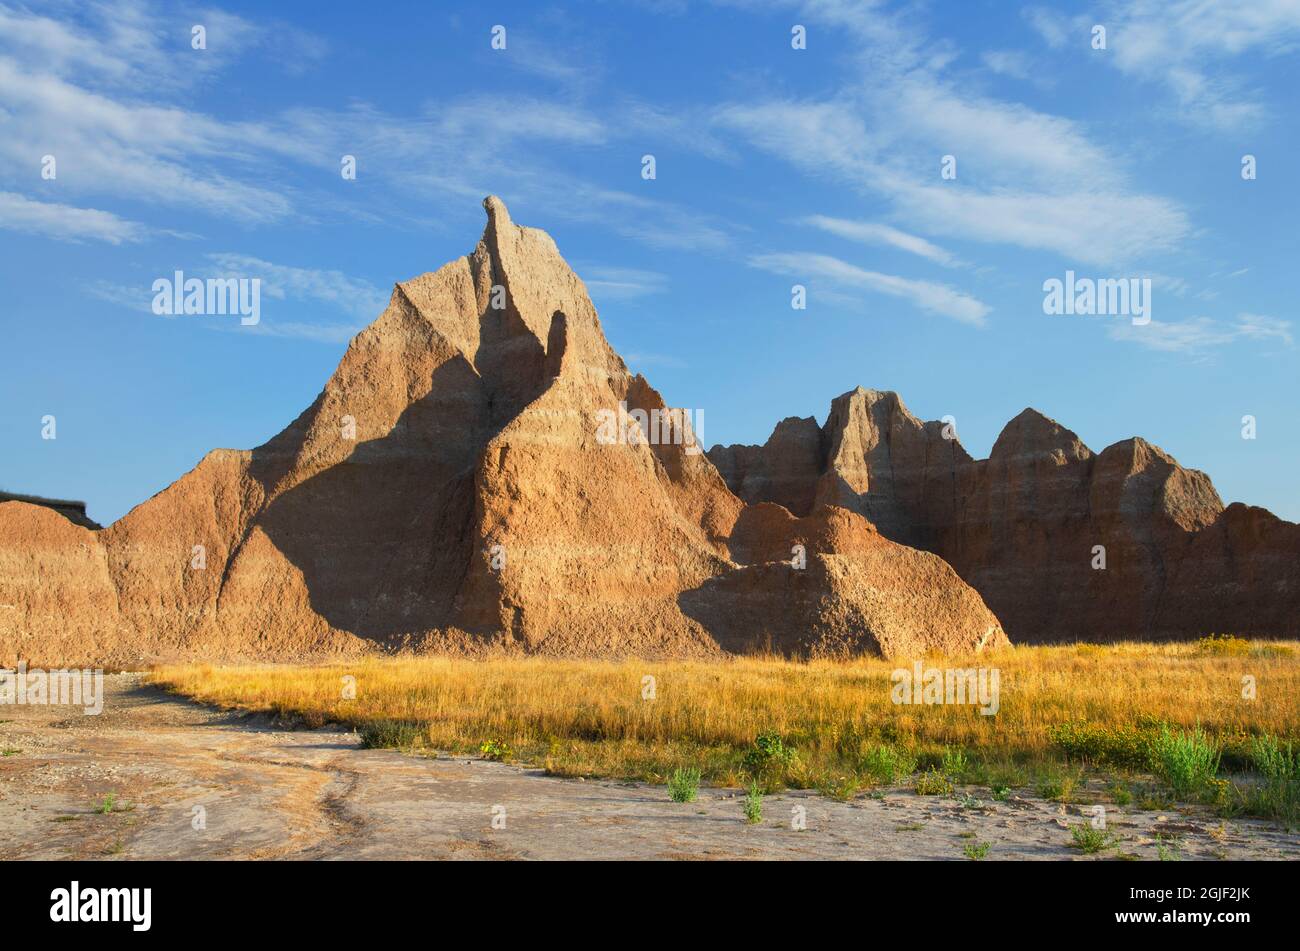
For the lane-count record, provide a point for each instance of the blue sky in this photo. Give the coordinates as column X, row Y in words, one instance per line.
column 774, row 166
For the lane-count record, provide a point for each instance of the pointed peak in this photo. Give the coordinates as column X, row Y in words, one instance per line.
column 796, row 428
column 1030, row 417
column 497, row 212
column 868, row 396
column 1032, row 432
column 1137, row 451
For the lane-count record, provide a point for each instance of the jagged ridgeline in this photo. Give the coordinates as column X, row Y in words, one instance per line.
column 450, row 489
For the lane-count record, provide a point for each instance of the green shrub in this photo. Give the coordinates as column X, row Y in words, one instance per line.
column 976, row 850
column 954, row 763
column 1274, row 758
column 754, row 804
column 1187, row 760
column 1087, row 839
column 887, row 764
column 769, row 751
column 839, row 788
column 933, row 783
column 1277, row 799
column 684, row 784
column 1056, row 785
column 770, row 760
column 1103, row 746
column 495, row 750
column 1276, row 795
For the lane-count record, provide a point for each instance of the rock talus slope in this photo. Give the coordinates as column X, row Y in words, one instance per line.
column 1023, row 526
column 447, row 490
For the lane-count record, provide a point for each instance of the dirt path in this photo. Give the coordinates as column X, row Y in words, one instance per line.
column 266, row 792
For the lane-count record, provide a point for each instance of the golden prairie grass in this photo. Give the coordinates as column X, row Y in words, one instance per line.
column 594, row 718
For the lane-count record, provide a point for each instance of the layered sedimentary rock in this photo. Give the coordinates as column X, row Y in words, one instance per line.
column 1062, row 543
column 449, row 490
column 73, row 511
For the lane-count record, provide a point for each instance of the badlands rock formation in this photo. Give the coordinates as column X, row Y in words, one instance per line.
column 447, row 490
column 1022, row 526
column 72, row 510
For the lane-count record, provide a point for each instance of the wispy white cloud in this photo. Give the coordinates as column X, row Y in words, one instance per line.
column 868, row 232
column 926, row 295
column 1082, row 226
column 139, row 299
column 1055, row 27
column 357, row 298
column 1024, row 177
column 127, row 45
column 101, row 95
column 1262, row 327
column 1200, row 336
column 353, row 296
column 620, row 283
column 128, row 149
column 1010, row 63
column 1188, row 46
column 65, row 222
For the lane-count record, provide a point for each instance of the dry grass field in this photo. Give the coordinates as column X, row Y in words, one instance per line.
column 1167, row 720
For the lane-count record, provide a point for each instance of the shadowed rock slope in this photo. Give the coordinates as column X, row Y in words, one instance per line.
column 1022, row 526
column 447, row 491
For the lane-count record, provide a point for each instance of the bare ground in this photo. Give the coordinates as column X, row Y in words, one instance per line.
column 266, row 792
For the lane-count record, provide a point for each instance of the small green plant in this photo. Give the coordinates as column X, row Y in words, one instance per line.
column 887, row 764
column 1121, row 794
column 1057, row 786
column 976, row 850
column 496, row 751
column 754, row 804
column 954, row 762
column 1167, row 849
column 1277, row 795
column 1187, row 760
column 108, row 805
column 839, row 788
column 116, row 848
column 1087, row 839
column 1274, row 758
column 933, row 783
column 769, row 753
column 391, row 734
column 10, row 752
column 1000, row 792
column 910, row 827
column 684, row 784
